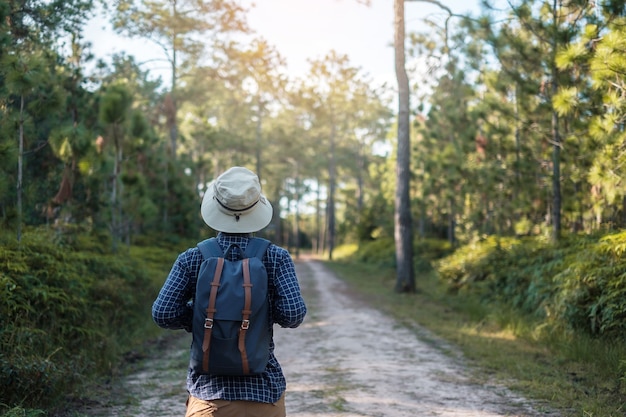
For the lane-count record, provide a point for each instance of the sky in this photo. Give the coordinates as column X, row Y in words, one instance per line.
column 302, row 30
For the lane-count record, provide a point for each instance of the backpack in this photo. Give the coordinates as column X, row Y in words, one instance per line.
column 231, row 325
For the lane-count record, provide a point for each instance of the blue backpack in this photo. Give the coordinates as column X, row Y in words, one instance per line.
column 231, row 322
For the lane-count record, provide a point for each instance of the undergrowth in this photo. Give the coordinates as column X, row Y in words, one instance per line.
column 70, row 309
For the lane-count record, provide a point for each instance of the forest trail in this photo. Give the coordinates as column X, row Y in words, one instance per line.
column 345, row 360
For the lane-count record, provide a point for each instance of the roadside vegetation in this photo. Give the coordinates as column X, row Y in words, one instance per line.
column 71, row 312
column 546, row 320
column 517, row 130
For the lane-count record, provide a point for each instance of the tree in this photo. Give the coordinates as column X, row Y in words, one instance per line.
column 181, row 28
column 190, row 33
column 30, row 94
column 333, row 89
column 552, row 27
column 114, row 112
column 263, row 64
column 403, row 230
column 24, row 74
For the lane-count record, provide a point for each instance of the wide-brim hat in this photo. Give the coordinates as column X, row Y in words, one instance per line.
column 233, row 203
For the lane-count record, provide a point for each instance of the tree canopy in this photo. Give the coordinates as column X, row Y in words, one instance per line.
column 516, row 128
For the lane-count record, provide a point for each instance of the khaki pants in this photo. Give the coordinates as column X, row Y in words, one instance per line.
column 222, row 408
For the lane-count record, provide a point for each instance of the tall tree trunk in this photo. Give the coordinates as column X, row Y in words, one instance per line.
column 174, row 93
column 318, row 219
column 286, row 232
column 276, row 218
column 166, row 181
column 172, row 111
column 331, row 193
column 518, row 134
column 359, row 176
column 556, row 179
column 259, row 126
column 556, row 137
column 116, row 219
column 20, row 170
column 296, row 222
column 403, row 232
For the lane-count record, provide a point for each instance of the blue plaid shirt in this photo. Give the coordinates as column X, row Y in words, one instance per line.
column 170, row 311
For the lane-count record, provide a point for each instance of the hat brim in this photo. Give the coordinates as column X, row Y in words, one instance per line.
column 250, row 222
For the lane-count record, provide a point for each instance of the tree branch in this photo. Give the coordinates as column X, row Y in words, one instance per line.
column 436, row 3
column 447, row 10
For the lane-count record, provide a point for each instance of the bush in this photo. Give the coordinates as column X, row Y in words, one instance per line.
column 378, row 252
column 579, row 284
column 592, row 287
column 381, row 252
column 67, row 313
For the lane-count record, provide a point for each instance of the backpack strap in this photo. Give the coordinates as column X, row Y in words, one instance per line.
column 257, row 248
column 211, row 249
column 210, row 312
column 245, row 315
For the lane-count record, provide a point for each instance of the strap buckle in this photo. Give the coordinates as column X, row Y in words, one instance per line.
column 208, row 323
column 245, row 325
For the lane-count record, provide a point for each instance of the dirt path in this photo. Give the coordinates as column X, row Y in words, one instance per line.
column 345, row 360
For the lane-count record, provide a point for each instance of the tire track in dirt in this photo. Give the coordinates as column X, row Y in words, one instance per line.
column 345, row 360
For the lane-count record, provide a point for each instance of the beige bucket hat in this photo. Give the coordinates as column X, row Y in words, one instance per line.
column 233, row 203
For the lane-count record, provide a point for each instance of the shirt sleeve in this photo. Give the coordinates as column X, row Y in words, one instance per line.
column 288, row 305
column 171, row 310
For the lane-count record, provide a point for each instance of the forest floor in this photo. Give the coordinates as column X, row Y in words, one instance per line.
column 346, row 360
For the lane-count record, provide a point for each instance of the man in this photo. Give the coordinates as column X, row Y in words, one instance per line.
column 234, row 206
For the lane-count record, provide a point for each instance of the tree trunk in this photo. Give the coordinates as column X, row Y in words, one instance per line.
column 115, row 203
column 556, row 179
column 361, row 166
column 319, row 245
column 403, row 233
column 556, row 138
column 259, row 126
column 296, row 222
column 20, row 171
column 166, row 182
column 172, row 110
column 331, row 194
column 174, row 93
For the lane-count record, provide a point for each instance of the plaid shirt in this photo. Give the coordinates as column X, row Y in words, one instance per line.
column 170, row 311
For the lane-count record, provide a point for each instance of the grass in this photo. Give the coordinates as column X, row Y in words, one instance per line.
column 574, row 376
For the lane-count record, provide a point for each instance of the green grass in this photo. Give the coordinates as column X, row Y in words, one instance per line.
column 578, row 376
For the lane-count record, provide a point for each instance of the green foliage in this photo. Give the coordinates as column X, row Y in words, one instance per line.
column 592, row 289
column 381, row 252
column 22, row 72
column 116, row 101
column 577, row 285
column 69, row 309
column 378, row 252
column 565, row 100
